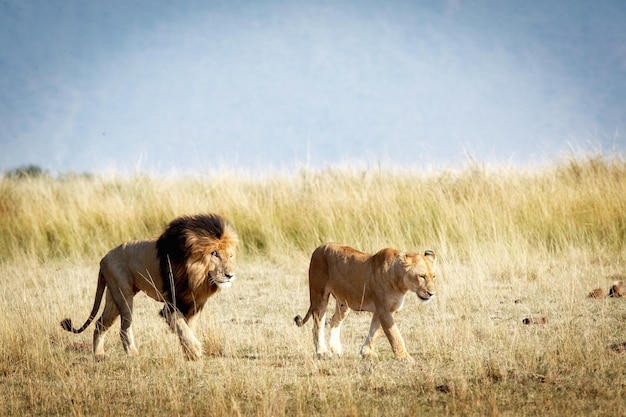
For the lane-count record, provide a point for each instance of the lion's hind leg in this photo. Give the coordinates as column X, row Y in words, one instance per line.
column 119, row 302
column 123, row 298
column 119, row 305
column 126, row 329
column 106, row 320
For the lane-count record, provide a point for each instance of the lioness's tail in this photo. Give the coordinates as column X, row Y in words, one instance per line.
column 67, row 323
column 300, row 321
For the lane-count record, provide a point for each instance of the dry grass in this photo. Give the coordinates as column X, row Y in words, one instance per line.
column 512, row 245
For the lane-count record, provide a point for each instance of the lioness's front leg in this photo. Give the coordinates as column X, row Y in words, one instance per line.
column 367, row 350
column 393, row 334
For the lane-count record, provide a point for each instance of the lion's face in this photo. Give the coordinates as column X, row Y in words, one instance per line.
column 221, row 267
column 419, row 273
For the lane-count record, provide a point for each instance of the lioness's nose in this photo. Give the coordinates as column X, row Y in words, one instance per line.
column 229, row 275
column 430, row 293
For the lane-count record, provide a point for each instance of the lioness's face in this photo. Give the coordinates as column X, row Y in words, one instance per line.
column 222, row 267
column 419, row 274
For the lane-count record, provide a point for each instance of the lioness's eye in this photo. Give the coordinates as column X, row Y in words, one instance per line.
column 214, row 253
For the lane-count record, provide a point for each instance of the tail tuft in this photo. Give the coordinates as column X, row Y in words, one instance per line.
column 298, row 320
column 67, row 324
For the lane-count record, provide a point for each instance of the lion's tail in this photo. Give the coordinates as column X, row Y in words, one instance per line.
column 67, row 323
column 301, row 321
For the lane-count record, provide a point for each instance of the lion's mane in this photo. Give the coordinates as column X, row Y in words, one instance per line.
column 184, row 241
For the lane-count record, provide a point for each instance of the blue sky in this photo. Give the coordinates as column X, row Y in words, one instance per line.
column 194, row 87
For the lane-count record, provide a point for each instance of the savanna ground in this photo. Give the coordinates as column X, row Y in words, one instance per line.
column 511, row 244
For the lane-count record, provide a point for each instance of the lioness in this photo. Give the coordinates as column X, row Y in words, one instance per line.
column 360, row 281
column 188, row 263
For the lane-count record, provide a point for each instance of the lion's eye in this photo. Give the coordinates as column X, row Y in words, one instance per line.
column 214, row 253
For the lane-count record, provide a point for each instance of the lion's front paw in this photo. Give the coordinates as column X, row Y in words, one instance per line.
column 405, row 358
column 193, row 350
column 193, row 355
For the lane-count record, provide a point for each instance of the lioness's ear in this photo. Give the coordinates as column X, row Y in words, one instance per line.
column 430, row 254
column 402, row 255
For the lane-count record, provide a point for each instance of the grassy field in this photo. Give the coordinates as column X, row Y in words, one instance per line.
column 511, row 243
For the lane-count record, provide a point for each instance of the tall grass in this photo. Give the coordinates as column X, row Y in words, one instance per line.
column 511, row 244
column 578, row 203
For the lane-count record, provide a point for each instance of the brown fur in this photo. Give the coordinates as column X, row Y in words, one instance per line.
column 195, row 253
column 359, row 281
column 596, row 293
column 618, row 290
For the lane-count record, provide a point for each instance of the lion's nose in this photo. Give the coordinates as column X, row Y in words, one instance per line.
column 430, row 293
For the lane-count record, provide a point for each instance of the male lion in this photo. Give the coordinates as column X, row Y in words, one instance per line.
column 359, row 281
column 188, row 263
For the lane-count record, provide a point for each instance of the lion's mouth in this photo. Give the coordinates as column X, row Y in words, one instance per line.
column 224, row 281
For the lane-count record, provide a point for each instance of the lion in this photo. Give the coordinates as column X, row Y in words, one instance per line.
column 359, row 281
column 192, row 260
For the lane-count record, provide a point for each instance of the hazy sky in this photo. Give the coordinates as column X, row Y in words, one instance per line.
column 162, row 86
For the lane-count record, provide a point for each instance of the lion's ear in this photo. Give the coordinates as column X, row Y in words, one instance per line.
column 402, row 255
column 430, row 254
